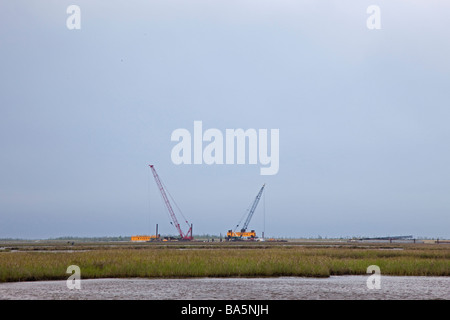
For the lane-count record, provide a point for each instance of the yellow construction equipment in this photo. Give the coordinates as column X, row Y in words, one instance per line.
column 156, row 237
column 145, row 238
column 241, row 235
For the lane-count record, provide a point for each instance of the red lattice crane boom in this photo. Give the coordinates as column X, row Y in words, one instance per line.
column 188, row 235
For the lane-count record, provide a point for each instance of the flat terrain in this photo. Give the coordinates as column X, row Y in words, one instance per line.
column 48, row 260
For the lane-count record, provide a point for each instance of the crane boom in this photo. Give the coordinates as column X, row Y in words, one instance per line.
column 188, row 235
column 253, row 208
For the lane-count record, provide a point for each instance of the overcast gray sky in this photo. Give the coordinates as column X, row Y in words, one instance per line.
column 363, row 115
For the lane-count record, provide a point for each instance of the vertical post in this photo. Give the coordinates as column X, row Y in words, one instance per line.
column 264, row 215
column 157, row 231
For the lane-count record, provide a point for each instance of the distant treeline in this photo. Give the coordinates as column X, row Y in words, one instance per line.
column 117, row 238
column 84, row 239
column 101, row 239
column 198, row 237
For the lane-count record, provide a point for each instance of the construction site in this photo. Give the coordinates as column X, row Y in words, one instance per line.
column 239, row 233
column 240, row 253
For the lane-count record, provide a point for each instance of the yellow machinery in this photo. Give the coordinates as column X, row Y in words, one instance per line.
column 145, row 238
column 156, row 237
column 231, row 235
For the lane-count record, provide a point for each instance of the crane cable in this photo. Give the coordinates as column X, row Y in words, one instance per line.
column 176, row 205
column 244, row 215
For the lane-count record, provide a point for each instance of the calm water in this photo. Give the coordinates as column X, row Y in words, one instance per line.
column 286, row 288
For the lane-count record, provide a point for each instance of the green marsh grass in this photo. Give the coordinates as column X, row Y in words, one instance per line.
column 222, row 261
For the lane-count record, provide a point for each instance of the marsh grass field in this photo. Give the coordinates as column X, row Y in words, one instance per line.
column 30, row 261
